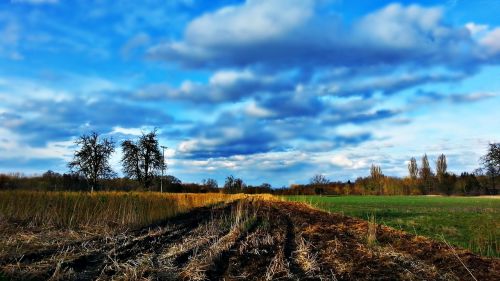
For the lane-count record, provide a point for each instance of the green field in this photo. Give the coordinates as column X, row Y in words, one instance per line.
column 469, row 222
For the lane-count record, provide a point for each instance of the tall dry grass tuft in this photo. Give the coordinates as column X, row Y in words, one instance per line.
column 371, row 235
column 306, row 260
column 100, row 209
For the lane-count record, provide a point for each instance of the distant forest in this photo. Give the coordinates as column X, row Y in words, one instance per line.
column 143, row 167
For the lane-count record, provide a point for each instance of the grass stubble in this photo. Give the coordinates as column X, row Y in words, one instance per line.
column 237, row 237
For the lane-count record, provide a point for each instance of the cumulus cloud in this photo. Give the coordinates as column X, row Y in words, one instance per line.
column 487, row 38
column 410, row 40
column 228, row 135
column 223, row 86
column 231, row 37
column 253, row 22
column 476, row 29
column 345, row 162
column 254, row 110
column 269, row 166
column 40, row 121
column 402, row 33
column 269, row 131
column 234, row 34
column 491, row 41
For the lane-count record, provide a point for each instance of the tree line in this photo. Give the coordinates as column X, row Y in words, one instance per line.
column 421, row 180
column 143, row 165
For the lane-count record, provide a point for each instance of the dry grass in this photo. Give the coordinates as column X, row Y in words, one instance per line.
column 112, row 210
column 371, row 235
column 201, row 262
column 279, row 266
column 305, row 258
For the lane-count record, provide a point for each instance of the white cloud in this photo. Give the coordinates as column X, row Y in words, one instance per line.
column 14, row 147
column 194, row 144
column 223, row 86
column 416, row 35
column 487, row 37
column 228, row 78
column 21, row 90
column 237, row 37
column 491, row 41
column 255, row 110
column 402, row 27
column 476, row 29
column 126, row 131
column 254, row 21
column 344, row 162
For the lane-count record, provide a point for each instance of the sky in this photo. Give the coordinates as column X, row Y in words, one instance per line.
column 269, row 91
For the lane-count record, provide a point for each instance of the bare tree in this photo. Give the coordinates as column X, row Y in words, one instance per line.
column 426, row 175
column 142, row 160
column 319, row 180
column 377, row 176
column 239, row 184
column 172, row 184
column 92, row 159
column 441, row 167
column 491, row 164
column 229, row 184
column 210, row 183
column 131, row 160
column 413, row 168
column 233, row 185
column 376, row 172
column 425, row 172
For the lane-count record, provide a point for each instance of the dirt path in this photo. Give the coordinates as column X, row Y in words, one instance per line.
column 252, row 241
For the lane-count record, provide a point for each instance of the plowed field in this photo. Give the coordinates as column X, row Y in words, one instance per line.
column 245, row 240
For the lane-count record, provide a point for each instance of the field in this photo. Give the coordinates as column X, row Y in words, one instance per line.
column 231, row 237
column 103, row 211
column 469, row 222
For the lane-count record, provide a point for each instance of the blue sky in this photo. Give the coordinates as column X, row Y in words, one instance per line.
column 267, row 90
